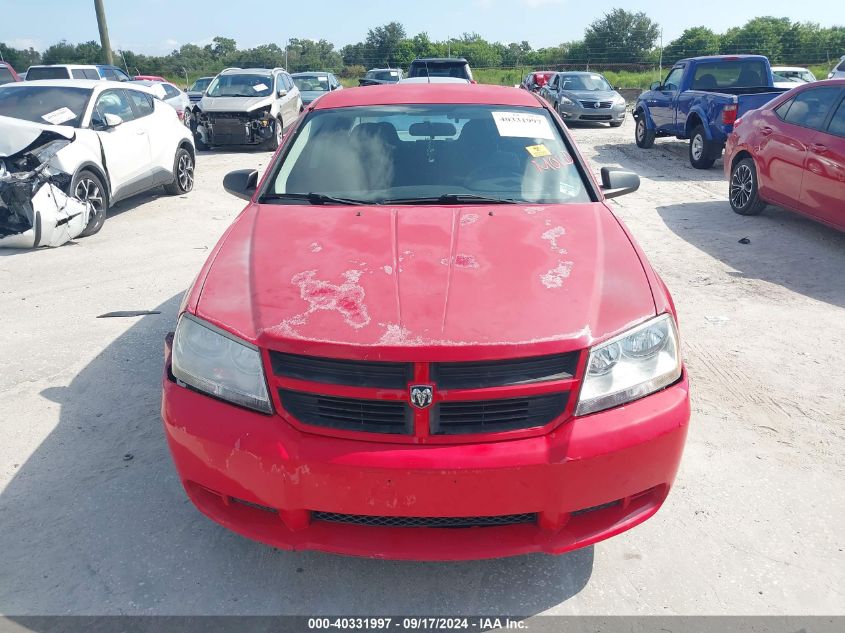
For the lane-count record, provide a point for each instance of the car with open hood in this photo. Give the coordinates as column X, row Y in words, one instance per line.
column 427, row 336
column 118, row 140
column 584, row 97
column 247, row 106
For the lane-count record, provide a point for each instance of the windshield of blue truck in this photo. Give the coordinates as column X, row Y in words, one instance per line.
column 742, row 73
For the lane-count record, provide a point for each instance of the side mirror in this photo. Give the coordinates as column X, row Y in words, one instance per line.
column 112, row 120
column 655, row 86
column 282, row 92
column 615, row 183
column 241, row 183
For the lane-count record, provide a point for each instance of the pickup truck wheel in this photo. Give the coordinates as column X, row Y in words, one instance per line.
column 743, row 192
column 700, row 149
column 643, row 136
column 88, row 187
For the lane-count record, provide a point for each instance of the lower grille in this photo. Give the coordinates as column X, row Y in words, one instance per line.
column 492, row 416
column 351, row 414
column 596, row 117
column 431, row 522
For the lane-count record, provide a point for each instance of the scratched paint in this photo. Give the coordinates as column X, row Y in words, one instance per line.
column 469, row 218
column 552, row 236
column 347, row 299
column 556, row 276
column 388, row 270
column 533, row 210
column 397, row 335
column 461, row 261
column 315, row 247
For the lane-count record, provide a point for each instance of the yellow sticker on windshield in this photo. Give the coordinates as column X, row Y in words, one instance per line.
column 538, row 151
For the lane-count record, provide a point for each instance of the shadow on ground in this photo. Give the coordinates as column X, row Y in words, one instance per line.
column 96, row 522
column 668, row 160
column 777, row 252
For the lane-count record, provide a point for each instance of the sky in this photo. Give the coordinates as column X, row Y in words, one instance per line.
column 158, row 26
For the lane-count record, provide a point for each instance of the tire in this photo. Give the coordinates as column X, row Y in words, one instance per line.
column 183, row 173
column 700, row 149
column 88, row 187
column 199, row 143
column 642, row 135
column 743, row 192
column 278, row 133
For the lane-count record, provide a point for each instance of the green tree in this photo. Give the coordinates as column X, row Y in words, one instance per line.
column 20, row 59
column 760, row 36
column 621, row 36
column 382, row 43
column 698, row 40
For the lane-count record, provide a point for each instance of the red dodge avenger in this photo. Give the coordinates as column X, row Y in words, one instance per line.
column 427, row 337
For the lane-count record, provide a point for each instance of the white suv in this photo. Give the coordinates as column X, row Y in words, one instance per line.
column 111, row 139
column 251, row 106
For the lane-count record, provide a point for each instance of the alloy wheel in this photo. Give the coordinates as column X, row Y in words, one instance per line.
column 185, row 172
column 697, row 147
column 89, row 191
column 742, row 183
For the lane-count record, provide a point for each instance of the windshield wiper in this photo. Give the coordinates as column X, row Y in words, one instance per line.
column 312, row 198
column 451, row 198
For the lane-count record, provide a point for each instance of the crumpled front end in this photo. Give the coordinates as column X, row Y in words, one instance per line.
column 235, row 128
column 34, row 208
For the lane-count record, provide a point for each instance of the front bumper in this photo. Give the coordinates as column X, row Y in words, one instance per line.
column 240, row 129
column 586, row 481
column 577, row 112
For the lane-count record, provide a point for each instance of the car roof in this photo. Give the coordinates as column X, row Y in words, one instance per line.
column 95, row 66
column 312, row 73
column 250, row 71
column 796, row 68
column 405, row 94
column 457, row 60
column 434, row 80
column 89, row 84
column 585, row 73
column 720, row 58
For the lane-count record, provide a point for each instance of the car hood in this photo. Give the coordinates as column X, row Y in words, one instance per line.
column 18, row 136
column 234, row 104
column 591, row 95
column 333, row 280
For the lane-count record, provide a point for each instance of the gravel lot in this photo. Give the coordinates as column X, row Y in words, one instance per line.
column 94, row 521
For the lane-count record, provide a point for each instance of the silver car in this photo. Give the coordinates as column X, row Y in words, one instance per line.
column 584, row 96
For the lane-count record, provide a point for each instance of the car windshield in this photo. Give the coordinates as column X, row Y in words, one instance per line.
column 246, row 85
column 799, row 75
column 47, row 72
column 427, row 154
column 438, row 69
column 312, row 83
column 383, row 75
column 44, row 104
column 592, row 83
column 201, row 84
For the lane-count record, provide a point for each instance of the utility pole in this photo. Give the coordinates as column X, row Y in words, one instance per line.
column 104, row 31
column 661, row 54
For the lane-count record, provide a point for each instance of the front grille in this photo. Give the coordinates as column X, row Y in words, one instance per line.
column 477, row 375
column 592, row 104
column 596, row 117
column 342, row 372
column 351, row 414
column 492, row 416
column 431, row 522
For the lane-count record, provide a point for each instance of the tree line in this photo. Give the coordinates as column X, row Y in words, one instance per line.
column 617, row 39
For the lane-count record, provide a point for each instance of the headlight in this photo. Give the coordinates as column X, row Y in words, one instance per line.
column 634, row 364
column 566, row 101
column 218, row 363
column 619, row 100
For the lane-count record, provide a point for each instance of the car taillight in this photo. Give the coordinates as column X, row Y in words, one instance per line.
column 729, row 114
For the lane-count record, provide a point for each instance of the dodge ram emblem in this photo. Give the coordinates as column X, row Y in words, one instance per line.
column 421, row 396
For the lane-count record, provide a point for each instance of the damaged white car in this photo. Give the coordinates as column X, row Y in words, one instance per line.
column 104, row 141
column 34, row 208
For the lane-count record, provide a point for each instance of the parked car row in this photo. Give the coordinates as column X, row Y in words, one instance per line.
column 423, row 70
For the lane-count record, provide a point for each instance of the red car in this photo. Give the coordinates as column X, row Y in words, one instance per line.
column 150, row 78
column 7, row 73
column 791, row 153
column 536, row 80
column 427, row 336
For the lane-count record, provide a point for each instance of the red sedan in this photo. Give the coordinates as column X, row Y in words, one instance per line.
column 427, row 336
column 791, row 153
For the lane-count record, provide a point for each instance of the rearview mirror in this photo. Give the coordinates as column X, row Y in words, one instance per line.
column 241, row 183
column 112, row 120
column 655, row 86
column 282, row 92
column 429, row 129
column 615, row 183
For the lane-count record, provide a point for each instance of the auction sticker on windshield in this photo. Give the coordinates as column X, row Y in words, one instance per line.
column 57, row 117
column 259, row 87
column 523, row 125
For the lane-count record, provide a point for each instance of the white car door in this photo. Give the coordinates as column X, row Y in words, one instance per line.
column 126, row 147
column 157, row 119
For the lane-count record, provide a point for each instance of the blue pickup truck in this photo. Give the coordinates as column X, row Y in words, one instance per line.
column 700, row 100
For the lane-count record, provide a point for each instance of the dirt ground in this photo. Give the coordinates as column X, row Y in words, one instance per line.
column 93, row 519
